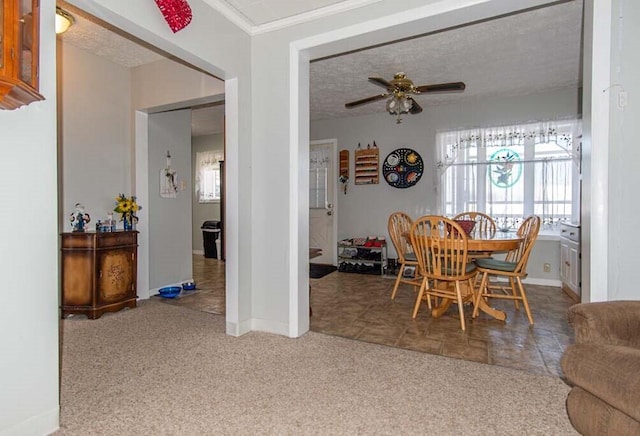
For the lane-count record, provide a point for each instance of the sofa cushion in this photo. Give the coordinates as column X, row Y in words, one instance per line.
column 609, row 322
column 592, row 416
column 609, row 372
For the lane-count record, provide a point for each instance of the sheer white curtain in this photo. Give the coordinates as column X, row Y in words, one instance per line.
column 511, row 172
column 208, row 176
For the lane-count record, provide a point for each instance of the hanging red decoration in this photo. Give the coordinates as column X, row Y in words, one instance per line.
column 177, row 13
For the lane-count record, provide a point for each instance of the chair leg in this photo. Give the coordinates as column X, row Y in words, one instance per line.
column 419, row 299
column 514, row 292
column 525, row 302
column 395, row 287
column 481, row 290
column 460, row 305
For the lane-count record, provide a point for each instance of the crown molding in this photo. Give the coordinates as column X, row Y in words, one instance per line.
column 312, row 15
column 243, row 22
column 232, row 15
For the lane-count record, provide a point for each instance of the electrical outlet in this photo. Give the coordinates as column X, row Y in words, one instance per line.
column 546, row 267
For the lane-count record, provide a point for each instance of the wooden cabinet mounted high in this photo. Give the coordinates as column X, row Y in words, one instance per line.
column 19, row 52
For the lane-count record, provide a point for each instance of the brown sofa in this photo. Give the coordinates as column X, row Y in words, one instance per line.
column 603, row 367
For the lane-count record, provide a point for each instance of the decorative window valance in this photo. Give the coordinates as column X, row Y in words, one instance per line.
column 563, row 133
column 208, row 159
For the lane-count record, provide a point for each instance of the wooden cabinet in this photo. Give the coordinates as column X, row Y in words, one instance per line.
column 98, row 272
column 570, row 260
column 19, row 52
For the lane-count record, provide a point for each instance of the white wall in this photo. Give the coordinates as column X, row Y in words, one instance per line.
column 170, row 260
column 365, row 209
column 29, row 314
column 624, row 152
column 96, row 133
column 166, row 82
column 203, row 211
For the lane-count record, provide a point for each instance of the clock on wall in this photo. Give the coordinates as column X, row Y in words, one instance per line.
column 402, row 168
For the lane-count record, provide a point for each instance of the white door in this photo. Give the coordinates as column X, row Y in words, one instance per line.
column 322, row 185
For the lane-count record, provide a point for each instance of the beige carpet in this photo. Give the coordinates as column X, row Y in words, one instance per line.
column 166, row 370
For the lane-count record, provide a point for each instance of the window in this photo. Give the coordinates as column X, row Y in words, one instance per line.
column 511, row 172
column 319, row 159
column 208, row 176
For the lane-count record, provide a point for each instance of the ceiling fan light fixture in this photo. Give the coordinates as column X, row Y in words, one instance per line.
column 399, row 104
column 64, row 20
column 406, row 104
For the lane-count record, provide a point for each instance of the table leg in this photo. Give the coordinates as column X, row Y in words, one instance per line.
column 483, row 305
column 444, row 305
column 439, row 310
column 497, row 314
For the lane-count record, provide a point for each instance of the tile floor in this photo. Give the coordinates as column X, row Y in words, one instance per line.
column 209, row 295
column 359, row 306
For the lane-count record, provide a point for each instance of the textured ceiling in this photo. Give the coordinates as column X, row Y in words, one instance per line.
column 106, row 43
column 520, row 54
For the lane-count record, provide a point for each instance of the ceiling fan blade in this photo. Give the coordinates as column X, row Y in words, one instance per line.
column 415, row 107
column 365, row 100
column 380, row 82
column 441, row 87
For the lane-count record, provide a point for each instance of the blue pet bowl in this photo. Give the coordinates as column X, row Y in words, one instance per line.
column 169, row 291
column 188, row 286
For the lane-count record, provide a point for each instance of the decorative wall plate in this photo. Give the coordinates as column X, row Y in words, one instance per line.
column 402, row 168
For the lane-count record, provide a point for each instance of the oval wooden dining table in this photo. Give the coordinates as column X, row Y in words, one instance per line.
column 485, row 243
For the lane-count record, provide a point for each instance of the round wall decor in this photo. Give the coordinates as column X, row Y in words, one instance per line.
column 402, row 168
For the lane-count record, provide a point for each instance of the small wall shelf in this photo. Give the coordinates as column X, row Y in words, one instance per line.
column 367, row 167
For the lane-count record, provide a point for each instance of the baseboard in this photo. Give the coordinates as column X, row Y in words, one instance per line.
column 264, row 325
column 44, row 423
column 235, row 329
column 200, row 252
column 543, row 282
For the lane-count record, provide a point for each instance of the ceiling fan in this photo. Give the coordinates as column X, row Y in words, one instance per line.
column 401, row 90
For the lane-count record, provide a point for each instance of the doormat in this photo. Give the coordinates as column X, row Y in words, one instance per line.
column 319, row 270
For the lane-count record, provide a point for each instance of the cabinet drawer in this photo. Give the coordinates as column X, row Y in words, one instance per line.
column 116, row 239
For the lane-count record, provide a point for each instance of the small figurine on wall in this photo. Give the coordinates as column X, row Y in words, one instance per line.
column 79, row 218
column 168, row 180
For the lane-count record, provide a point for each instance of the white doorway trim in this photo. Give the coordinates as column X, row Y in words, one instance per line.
column 435, row 16
column 103, row 12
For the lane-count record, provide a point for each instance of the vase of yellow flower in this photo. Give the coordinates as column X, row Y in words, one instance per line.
column 127, row 208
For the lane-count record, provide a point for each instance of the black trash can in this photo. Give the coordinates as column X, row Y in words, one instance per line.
column 210, row 233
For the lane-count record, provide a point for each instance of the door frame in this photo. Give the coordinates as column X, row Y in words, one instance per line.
column 334, row 153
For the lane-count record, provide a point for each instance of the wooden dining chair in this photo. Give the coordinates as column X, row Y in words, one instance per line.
column 513, row 268
column 440, row 245
column 485, row 226
column 399, row 225
column 484, row 223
